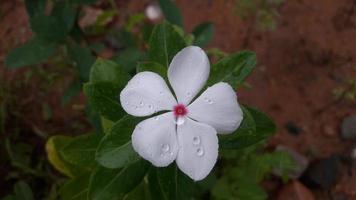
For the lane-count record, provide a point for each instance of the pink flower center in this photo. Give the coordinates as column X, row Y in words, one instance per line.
column 180, row 110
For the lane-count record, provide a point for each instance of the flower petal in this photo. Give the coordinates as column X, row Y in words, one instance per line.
column 146, row 93
column 198, row 149
column 218, row 107
column 155, row 139
column 188, row 72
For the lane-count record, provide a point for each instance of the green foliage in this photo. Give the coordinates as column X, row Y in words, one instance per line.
column 203, row 34
column 81, row 150
column 255, row 127
column 107, row 79
column 165, row 42
column 347, row 91
column 75, row 189
column 107, row 184
column 233, row 69
column 264, row 13
column 33, row 52
column 22, row 191
column 171, row 12
column 240, row 179
column 115, row 149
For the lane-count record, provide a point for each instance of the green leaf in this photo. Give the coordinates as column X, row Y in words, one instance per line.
column 81, row 150
column 35, row 7
column 83, row 59
column 53, row 146
column 255, row 127
column 57, row 25
column 165, row 43
column 170, row 183
column 107, row 79
column 75, row 189
column 203, row 34
column 115, row 149
column 73, row 89
column 108, row 184
column 104, row 99
column 128, row 58
column 22, row 191
column 233, row 69
column 153, row 67
column 171, row 12
column 34, row 51
column 106, row 124
column 108, row 71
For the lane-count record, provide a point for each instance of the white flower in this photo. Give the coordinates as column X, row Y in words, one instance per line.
column 188, row 132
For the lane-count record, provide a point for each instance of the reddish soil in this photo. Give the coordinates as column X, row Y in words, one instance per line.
column 312, row 51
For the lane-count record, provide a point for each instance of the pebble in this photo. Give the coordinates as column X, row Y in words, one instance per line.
column 348, row 127
column 295, row 191
column 322, row 174
column 301, row 162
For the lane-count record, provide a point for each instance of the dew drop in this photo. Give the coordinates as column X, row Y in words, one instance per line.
column 180, row 120
column 150, row 106
column 161, row 93
column 136, row 107
column 210, row 101
column 189, row 94
column 196, row 140
column 156, row 118
column 165, row 148
column 200, row 151
column 141, row 103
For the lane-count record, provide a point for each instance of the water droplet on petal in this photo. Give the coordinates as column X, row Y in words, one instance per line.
column 210, row 101
column 150, row 106
column 165, row 148
column 156, row 118
column 141, row 103
column 196, row 140
column 161, row 93
column 136, row 107
column 180, row 120
column 200, row 151
column 189, row 94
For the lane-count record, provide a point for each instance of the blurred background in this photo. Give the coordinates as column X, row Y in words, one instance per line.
column 305, row 80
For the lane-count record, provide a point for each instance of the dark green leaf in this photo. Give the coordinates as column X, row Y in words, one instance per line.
column 203, row 34
column 72, row 90
column 81, row 150
column 255, row 127
column 165, row 42
column 57, row 25
column 75, row 189
column 171, row 12
column 108, row 71
column 83, row 60
column 128, row 58
column 53, row 146
column 170, row 184
column 233, row 69
column 33, row 52
column 22, row 191
column 108, row 184
column 104, row 99
column 115, row 149
column 153, row 67
column 35, row 7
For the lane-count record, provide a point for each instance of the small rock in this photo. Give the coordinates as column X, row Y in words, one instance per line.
column 322, row 174
column 301, row 162
column 295, row 191
column 292, row 128
column 348, row 127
